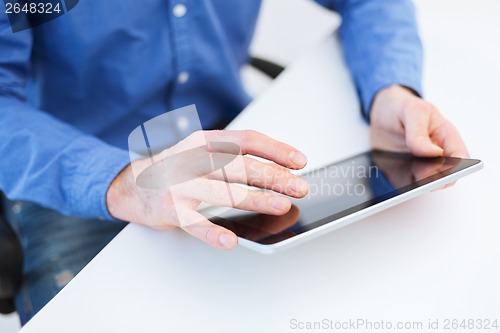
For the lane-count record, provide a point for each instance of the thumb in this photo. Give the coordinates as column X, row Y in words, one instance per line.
column 418, row 139
column 198, row 226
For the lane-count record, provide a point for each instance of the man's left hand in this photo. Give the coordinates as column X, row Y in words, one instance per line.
column 402, row 121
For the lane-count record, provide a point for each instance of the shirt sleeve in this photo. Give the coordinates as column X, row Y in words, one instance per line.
column 381, row 45
column 43, row 159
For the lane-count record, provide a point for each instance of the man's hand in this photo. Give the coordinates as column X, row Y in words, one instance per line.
column 401, row 121
column 204, row 168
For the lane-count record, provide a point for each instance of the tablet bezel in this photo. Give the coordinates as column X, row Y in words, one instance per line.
column 352, row 214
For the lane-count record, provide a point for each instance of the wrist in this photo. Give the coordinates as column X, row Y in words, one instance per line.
column 391, row 100
column 119, row 194
column 395, row 91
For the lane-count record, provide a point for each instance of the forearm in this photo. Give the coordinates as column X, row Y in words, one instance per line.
column 49, row 162
column 381, row 45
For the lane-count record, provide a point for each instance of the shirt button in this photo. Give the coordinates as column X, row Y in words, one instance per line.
column 17, row 207
column 183, row 77
column 179, row 10
column 182, row 123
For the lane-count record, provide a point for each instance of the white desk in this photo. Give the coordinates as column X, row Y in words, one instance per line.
column 435, row 257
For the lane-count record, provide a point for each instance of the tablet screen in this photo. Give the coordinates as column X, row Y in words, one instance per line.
column 340, row 189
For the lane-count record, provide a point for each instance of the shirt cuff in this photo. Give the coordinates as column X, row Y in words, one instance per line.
column 386, row 76
column 102, row 164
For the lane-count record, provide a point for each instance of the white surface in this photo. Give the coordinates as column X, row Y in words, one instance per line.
column 9, row 323
column 434, row 257
column 287, row 29
column 284, row 36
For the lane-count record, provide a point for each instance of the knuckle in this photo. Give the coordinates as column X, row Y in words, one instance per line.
column 279, row 179
column 219, row 195
column 248, row 135
column 277, row 149
column 215, row 135
column 252, row 201
column 168, row 200
column 197, row 136
column 211, row 235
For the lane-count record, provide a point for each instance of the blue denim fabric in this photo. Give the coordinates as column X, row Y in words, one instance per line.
column 56, row 248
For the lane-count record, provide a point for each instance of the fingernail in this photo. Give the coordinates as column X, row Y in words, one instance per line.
column 279, row 203
column 297, row 158
column 227, row 241
column 298, row 185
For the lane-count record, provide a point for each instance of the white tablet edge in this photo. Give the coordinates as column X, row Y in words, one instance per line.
column 351, row 218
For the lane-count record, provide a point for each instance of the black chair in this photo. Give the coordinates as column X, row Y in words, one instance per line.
column 11, row 263
column 269, row 68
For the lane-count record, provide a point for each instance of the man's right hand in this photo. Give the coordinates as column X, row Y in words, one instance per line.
column 182, row 179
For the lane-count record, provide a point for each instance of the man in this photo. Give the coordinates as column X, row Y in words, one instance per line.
column 104, row 68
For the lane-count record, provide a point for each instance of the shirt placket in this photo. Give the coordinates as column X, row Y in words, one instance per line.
column 181, row 11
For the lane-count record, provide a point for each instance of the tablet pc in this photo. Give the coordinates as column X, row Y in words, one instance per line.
column 344, row 192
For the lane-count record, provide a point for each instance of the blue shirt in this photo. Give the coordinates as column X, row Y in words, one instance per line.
column 105, row 67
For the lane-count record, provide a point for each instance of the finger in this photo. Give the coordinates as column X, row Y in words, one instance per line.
column 394, row 171
column 387, row 140
column 417, row 133
column 259, row 226
column 198, row 226
column 275, row 177
column 223, row 194
column 448, row 137
column 424, row 169
column 273, row 224
column 258, row 144
column 176, row 168
column 279, row 237
column 445, row 186
column 249, row 171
